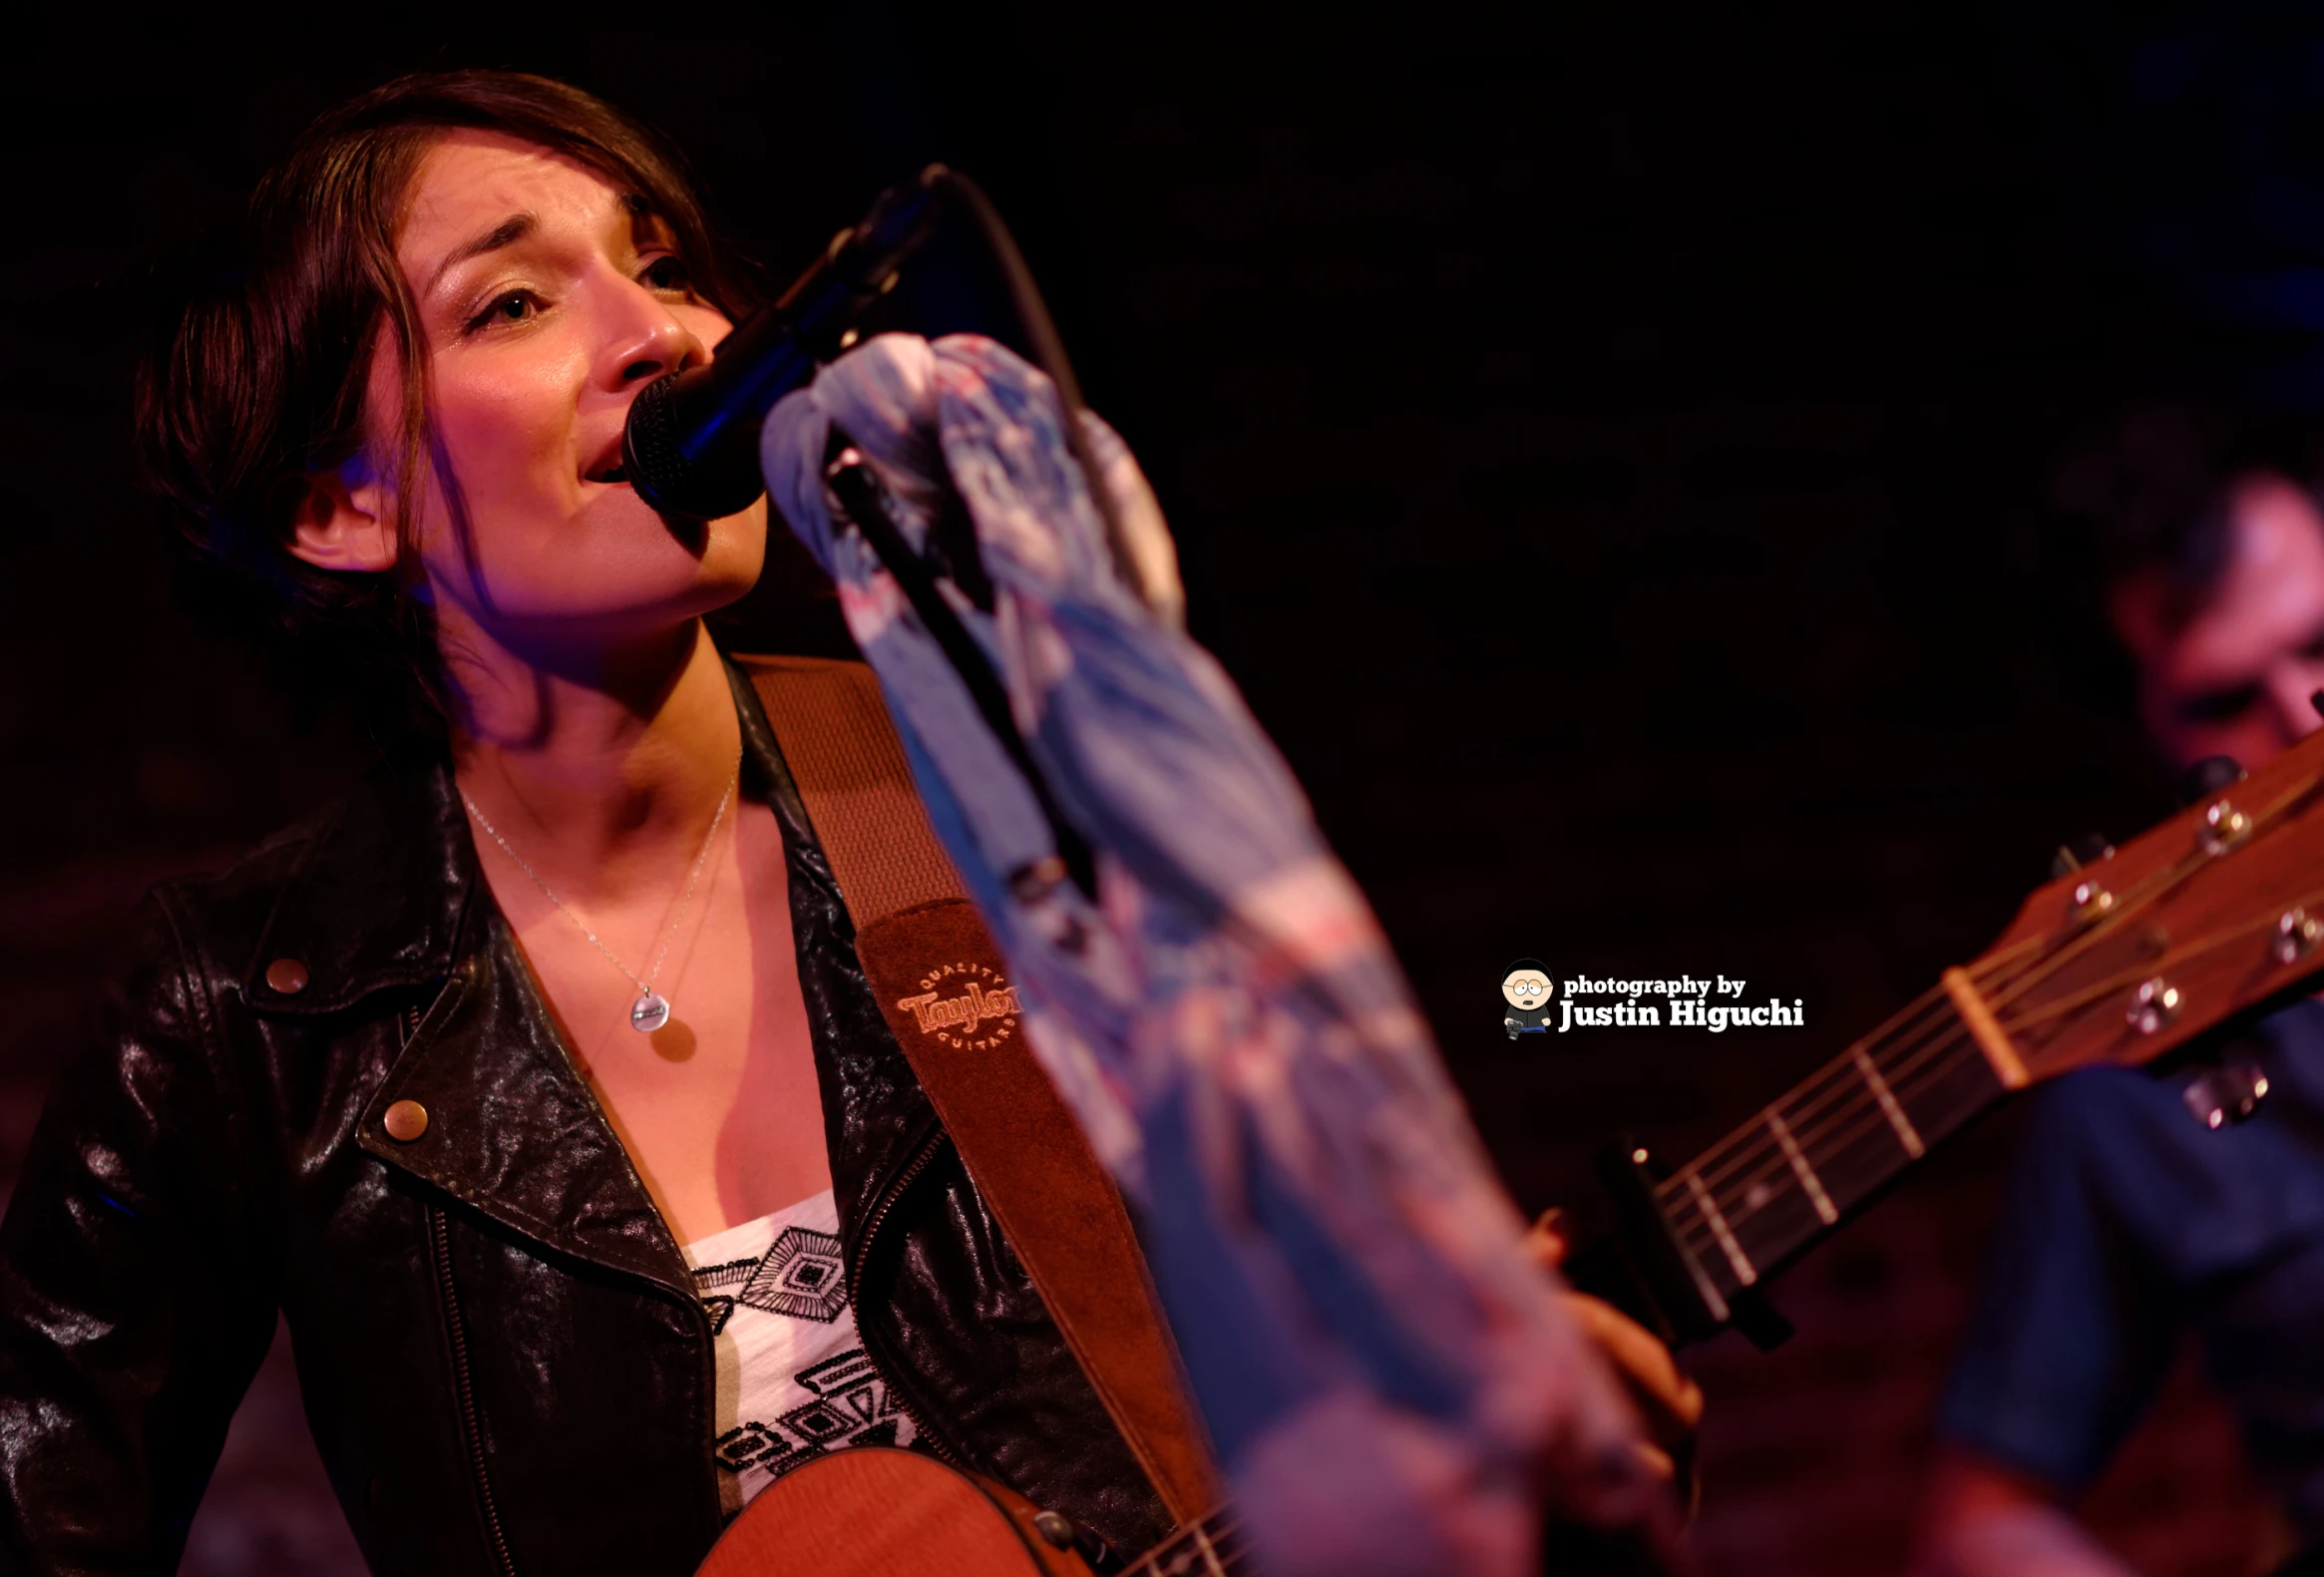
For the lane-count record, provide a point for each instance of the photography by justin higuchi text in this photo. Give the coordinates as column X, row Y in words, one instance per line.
column 1539, row 1004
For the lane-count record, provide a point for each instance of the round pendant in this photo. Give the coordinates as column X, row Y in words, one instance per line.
column 649, row 1012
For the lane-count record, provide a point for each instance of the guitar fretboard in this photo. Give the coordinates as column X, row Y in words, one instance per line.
column 1765, row 1193
column 1211, row 1546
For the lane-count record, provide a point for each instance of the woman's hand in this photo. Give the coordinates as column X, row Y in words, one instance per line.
column 1670, row 1404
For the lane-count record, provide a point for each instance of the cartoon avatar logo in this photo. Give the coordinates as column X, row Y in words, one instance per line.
column 1527, row 989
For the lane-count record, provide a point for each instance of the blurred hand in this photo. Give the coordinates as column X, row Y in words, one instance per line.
column 1669, row 1404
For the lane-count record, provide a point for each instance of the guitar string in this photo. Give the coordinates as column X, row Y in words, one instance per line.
column 1766, row 1158
column 1840, row 1075
column 1218, row 1564
column 1855, row 1124
column 1195, row 1533
column 1827, row 1083
column 1906, row 1076
column 1221, row 1522
column 1734, row 1202
column 1701, row 1239
column 2134, row 900
column 1960, row 1042
column 1770, row 1159
column 1737, row 1209
column 1837, row 1079
column 1207, row 1552
column 1844, row 1082
column 2180, row 954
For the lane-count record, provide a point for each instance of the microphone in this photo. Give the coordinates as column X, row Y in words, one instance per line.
column 691, row 444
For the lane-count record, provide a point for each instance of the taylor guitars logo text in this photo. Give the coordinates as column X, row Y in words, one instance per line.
column 969, row 1006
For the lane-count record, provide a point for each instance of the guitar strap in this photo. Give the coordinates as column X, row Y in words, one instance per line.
column 942, row 986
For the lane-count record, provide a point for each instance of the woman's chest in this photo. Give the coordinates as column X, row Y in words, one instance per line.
column 716, row 1102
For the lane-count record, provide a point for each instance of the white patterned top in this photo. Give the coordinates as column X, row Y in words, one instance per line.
column 793, row 1380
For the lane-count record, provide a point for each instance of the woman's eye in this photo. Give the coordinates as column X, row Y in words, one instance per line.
column 517, row 306
column 666, row 273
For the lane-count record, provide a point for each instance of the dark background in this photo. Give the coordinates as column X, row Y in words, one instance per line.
column 1603, row 441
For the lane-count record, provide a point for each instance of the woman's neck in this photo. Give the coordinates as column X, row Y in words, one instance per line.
column 599, row 775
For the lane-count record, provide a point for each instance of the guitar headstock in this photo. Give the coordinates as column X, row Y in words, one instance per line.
column 2210, row 914
column 2215, row 912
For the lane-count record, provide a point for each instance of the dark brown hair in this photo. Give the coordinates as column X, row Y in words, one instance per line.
column 2151, row 487
column 258, row 370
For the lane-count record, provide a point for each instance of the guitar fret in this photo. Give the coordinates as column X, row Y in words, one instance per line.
column 1906, row 1134
column 1744, row 1270
column 1985, row 1029
column 1777, row 1184
column 1708, row 1288
column 1170, row 1562
column 1196, row 1550
column 1809, row 1181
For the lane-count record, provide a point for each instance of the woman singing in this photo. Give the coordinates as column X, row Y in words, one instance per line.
column 538, row 1083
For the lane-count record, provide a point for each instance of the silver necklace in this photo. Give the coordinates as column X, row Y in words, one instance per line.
column 652, row 1010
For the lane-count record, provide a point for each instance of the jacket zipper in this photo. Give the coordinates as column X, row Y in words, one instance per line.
column 441, row 1231
column 440, row 1237
column 887, row 1199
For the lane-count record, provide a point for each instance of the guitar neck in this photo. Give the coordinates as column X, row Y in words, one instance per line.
column 1210, row 1546
column 2214, row 913
column 1806, row 1163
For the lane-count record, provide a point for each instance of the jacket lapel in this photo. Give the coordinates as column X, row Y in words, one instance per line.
column 511, row 1129
column 387, row 898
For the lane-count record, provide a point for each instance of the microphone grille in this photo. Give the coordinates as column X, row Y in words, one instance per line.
column 650, row 447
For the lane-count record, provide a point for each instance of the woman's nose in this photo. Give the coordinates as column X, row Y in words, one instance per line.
column 657, row 346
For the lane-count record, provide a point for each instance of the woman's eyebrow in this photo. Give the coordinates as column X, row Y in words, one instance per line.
column 508, row 232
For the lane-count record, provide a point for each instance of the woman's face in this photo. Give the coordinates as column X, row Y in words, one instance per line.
column 546, row 302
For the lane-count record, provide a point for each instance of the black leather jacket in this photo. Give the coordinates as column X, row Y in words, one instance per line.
column 503, row 1359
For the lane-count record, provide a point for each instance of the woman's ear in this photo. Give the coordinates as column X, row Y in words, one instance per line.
column 340, row 526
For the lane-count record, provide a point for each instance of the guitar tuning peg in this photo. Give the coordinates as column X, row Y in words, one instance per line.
column 2210, row 775
column 2224, row 1095
column 2088, row 849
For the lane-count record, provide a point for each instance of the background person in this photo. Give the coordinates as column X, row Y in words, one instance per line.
column 2197, row 541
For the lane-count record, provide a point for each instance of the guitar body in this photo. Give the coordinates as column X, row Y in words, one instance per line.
column 881, row 1513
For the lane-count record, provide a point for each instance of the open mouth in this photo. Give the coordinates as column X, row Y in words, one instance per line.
column 613, row 473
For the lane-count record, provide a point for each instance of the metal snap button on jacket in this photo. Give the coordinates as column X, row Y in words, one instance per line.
column 405, row 1121
column 286, row 975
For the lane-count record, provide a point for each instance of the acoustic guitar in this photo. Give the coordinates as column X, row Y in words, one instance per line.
column 2214, row 916
column 884, row 1512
